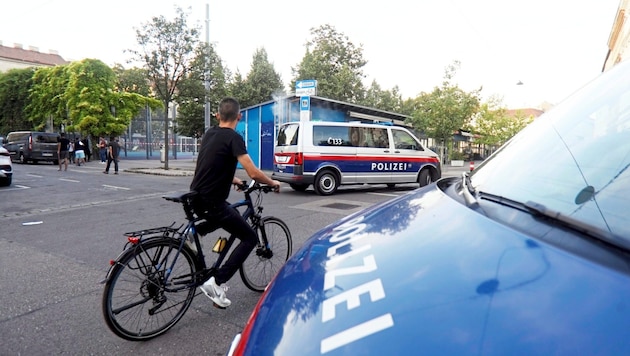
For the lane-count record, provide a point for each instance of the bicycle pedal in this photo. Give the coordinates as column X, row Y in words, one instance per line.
column 218, row 306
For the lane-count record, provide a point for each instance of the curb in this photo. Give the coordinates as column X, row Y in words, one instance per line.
column 173, row 172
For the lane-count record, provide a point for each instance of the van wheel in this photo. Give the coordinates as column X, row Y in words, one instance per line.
column 424, row 178
column 298, row 187
column 326, row 183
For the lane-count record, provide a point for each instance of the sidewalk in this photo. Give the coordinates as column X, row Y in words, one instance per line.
column 185, row 164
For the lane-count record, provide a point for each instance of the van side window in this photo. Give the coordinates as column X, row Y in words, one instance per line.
column 403, row 140
column 332, row 135
column 288, row 135
column 377, row 138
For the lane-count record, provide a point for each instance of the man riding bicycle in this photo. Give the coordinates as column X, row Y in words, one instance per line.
column 221, row 149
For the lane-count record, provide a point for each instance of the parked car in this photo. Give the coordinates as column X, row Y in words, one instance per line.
column 528, row 254
column 6, row 167
column 32, row 146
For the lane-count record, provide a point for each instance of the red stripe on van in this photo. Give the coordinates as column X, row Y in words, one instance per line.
column 384, row 158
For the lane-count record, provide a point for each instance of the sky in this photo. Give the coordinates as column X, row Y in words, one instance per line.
column 551, row 46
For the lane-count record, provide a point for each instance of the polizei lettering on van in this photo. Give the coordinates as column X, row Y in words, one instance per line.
column 390, row 166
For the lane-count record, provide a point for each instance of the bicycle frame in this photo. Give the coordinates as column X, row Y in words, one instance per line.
column 250, row 213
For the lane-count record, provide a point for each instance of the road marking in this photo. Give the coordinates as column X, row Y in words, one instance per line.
column 70, row 180
column 15, row 187
column 34, row 175
column 385, row 194
column 90, row 204
column 115, row 187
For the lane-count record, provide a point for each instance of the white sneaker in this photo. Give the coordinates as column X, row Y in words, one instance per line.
column 216, row 293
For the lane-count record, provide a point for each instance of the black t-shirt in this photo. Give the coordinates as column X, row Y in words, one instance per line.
column 115, row 148
column 216, row 163
column 64, row 143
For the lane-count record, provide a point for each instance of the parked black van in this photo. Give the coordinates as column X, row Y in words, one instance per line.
column 32, row 146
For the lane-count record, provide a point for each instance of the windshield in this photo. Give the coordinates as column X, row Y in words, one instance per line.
column 574, row 159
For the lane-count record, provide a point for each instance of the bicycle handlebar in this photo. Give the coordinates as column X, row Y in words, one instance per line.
column 253, row 186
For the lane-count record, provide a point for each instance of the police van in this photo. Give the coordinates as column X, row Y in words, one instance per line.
column 329, row 154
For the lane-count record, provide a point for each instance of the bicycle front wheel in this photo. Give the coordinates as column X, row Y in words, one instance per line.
column 273, row 250
column 140, row 301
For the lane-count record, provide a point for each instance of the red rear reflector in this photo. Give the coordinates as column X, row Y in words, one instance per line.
column 112, row 262
column 134, row 240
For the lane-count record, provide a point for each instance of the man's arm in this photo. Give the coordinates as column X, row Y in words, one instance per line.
column 254, row 173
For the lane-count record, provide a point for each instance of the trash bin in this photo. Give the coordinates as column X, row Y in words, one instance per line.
column 162, row 154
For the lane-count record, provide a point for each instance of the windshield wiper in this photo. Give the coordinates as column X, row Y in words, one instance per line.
column 470, row 193
column 606, row 236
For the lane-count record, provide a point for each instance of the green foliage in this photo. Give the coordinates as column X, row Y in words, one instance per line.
column 134, row 80
column 388, row 100
column 192, row 93
column 167, row 52
column 47, row 99
column 167, row 49
column 262, row 81
column 335, row 62
column 446, row 109
column 495, row 126
column 14, row 92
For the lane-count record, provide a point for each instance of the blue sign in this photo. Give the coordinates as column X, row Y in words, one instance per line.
column 303, row 84
column 305, row 103
column 306, row 87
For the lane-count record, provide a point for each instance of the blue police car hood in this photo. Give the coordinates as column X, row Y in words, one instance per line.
column 404, row 279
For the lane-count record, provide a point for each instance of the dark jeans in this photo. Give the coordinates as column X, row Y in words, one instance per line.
column 221, row 215
column 109, row 162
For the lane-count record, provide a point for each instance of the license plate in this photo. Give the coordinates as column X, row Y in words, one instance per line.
column 47, row 154
column 281, row 166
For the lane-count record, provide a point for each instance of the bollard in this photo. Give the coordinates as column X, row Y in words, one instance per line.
column 472, row 166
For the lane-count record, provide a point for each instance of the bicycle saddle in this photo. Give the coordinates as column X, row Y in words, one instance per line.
column 180, row 197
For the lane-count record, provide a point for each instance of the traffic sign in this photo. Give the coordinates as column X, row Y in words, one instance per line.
column 305, row 103
column 306, row 87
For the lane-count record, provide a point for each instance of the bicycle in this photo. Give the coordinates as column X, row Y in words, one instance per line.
column 152, row 282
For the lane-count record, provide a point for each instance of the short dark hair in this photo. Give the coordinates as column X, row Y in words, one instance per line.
column 229, row 109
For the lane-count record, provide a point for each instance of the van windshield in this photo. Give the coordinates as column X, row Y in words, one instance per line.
column 288, row 135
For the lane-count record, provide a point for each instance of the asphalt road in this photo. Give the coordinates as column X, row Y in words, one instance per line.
column 59, row 230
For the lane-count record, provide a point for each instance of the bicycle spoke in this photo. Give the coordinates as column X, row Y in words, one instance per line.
column 138, row 304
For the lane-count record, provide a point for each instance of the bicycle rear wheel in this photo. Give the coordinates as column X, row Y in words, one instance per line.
column 265, row 260
column 138, row 304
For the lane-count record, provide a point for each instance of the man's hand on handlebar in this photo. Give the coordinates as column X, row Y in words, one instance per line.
column 276, row 186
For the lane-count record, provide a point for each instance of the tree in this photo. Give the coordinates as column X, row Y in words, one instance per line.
column 93, row 104
column 336, row 64
column 262, row 81
column 445, row 110
column 192, row 92
column 47, row 98
column 167, row 51
column 134, row 80
column 14, row 92
column 388, row 100
column 494, row 125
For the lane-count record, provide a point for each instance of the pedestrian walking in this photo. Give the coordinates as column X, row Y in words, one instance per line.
column 113, row 149
column 71, row 152
column 102, row 150
column 87, row 149
column 79, row 152
column 62, row 150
